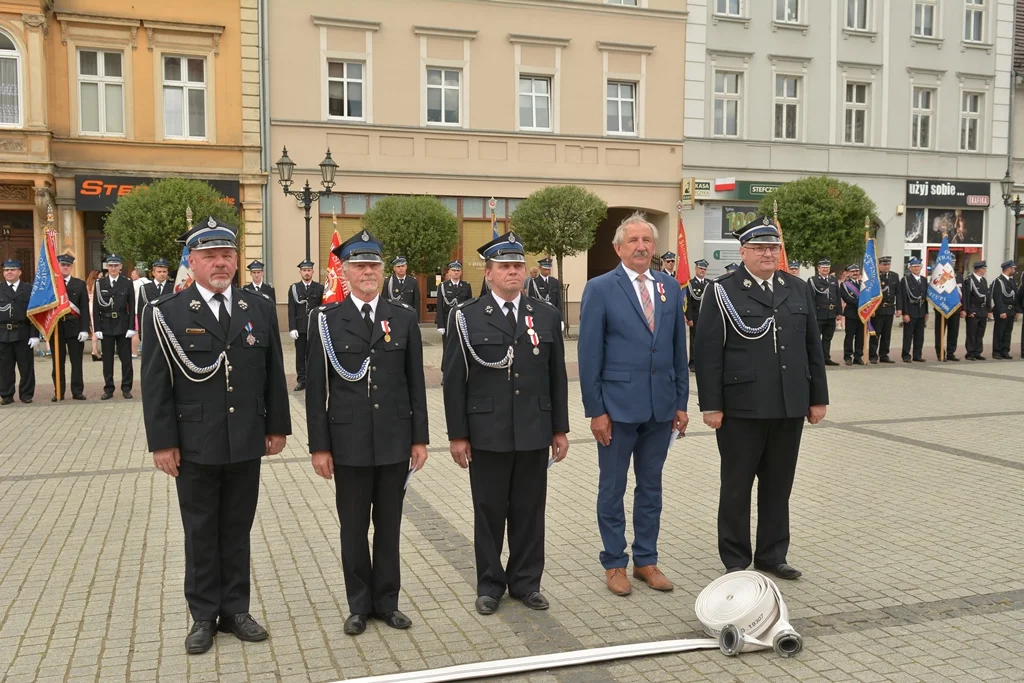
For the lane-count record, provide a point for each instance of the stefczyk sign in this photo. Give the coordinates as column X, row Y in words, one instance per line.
column 947, row 193
column 101, row 192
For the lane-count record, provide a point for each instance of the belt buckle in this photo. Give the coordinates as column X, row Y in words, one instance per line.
column 113, row 315
column 10, row 326
column 831, row 306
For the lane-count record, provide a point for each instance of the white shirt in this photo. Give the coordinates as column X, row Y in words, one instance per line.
column 158, row 286
column 113, row 281
column 976, row 277
column 760, row 282
column 14, row 284
column 213, row 303
column 359, row 306
column 501, row 304
column 649, row 283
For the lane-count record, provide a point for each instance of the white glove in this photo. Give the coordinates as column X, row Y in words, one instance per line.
column 98, row 335
column 563, row 326
column 82, row 336
column 33, row 342
column 129, row 334
column 294, row 334
column 440, row 331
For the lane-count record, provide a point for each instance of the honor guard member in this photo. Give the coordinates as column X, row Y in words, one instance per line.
column 825, row 289
column 157, row 287
column 977, row 304
column 544, row 287
column 760, row 374
column 853, row 340
column 506, row 404
column 113, row 319
column 885, row 313
column 794, row 268
column 215, row 401
column 400, row 288
column 668, row 263
column 258, row 285
column 1004, row 310
column 912, row 302
column 450, row 294
column 73, row 331
column 303, row 297
column 952, row 327
column 366, row 417
column 694, row 295
column 18, row 337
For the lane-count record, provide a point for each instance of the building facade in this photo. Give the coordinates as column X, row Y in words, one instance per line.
column 908, row 99
column 98, row 97
column 469, row 100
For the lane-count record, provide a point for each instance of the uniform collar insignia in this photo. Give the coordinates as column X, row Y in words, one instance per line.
column 529, row 308
column 747, row 284
column 242, row 304
column 782, row 282
column 194, row 305
column 488, row 310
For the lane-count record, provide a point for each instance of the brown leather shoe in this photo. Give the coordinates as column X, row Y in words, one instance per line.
column 653, row 577
column 618, row 582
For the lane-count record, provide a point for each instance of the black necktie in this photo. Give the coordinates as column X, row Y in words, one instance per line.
column 767, row 289
column 223, row 316
column 159, row 288
column 368, row 318
column 510, row 314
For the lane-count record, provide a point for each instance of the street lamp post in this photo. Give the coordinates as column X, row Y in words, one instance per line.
column 1014, row 203
column 306, row 195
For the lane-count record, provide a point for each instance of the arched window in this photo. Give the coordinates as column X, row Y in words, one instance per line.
column 10, row 82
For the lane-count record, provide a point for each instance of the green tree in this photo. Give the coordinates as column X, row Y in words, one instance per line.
column 559, row 220
column 420, row 228
column 146, row 224
column 821, row 217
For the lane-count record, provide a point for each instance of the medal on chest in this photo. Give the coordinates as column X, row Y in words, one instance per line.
column 534, row 337
column 250, row 339
column 661, row 291
column 387, row 330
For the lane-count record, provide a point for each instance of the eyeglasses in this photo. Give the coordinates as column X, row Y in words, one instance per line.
column 765, row 249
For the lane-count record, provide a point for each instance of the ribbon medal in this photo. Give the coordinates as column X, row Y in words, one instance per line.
column 387, row 330
column 661, row 291
column 250, row 340
column 534, row 337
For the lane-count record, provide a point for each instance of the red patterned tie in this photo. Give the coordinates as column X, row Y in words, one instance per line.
column 645, row 301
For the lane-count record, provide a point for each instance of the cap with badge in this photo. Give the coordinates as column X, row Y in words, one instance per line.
column 114, row 259
column 668, row 256
column 979, row 265
column 825, row 262
column 506, row 249
column 794, row 264
column 454, row 265
column 853, row 268
column 160, row 263
column 915, row 261
column 305, row 264
column 885, row 260
column 399, row 261
column 361, row 247
column 700, row 263
column 544, row 263
column 66, row 259
column 12, row 263
column 759, row 231
column 1008, row 264
column 255, row 265
column 210, row 233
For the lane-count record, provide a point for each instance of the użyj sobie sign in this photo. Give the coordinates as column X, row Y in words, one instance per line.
column 948, row 193
column 100, row 192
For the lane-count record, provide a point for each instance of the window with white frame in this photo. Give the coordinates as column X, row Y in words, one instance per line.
column 534, row 103
column 925, row 18
column 10, row 82
column 443, row 96
column 100, row 92
column 787, row 11
column 631, row 3
column 970, row 121
column 787, row 107
column 974, row 20
column 921, row 118
column 856, row 114
column 730, row 8
column 185, row 97
column 727, row 103
column 345, row 90
column 857, row 15
column 621, row 107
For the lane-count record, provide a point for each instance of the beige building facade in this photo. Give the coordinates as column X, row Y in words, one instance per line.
column 469, row 100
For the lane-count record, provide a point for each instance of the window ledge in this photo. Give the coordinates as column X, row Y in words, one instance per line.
column 615, row 134
column 730, row 19
column 790, row 26
column 927, row 40
column 860, row 33
column 966, row 45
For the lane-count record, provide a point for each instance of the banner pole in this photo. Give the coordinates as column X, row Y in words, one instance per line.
column 942, row 339
column 56, row 361
column 865, row 356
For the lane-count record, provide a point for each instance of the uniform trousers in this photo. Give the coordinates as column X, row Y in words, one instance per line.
column 300, row 359
column 952, row 334
column 71, row 348
column 767, row 449
column 647, row 444
column 976, row 334
column 510, row 488
column 913, row 335
column 692, row 333
column 122, row 346
column 827, row 330
column 17, row 353
column 880, row 342
column 218, row 505
column 853, row 341
column 1002, row 334
column 364, row 494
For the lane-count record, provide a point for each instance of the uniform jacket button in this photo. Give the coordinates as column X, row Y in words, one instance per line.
column 376, row 406
column 231, row 410
column 517, row 392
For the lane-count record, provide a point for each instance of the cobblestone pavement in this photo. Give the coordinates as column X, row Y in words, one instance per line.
column 906, row 522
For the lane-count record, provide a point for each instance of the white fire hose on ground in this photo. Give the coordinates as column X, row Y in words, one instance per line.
column 742, row 612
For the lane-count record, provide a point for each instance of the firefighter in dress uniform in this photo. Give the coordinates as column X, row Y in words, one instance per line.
column 977, row 303
column 694, row 295
column 885, row 314
column 450, row 294
column 303, row 296
column 913, row 304
column 73, row 330
column 258, row 285
column 546, row 288
column 825, row 288
column 853, row 340
column 1004, row 310
column 113, row 320
column 18, row 336
column 400, row 287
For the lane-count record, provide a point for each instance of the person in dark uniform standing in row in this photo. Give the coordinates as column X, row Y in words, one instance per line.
column 544, row 287
column 694, row 295
column 73, row 331
column 258, row 285
column 885, row 314
column 912, row 302
column 215, row 402
column 825, row 289
column 450, row 294
column 853, row 340
column 976, row 305
column 303, row 297
column 399, row 287
column 952, row 327
column 18, row 336
column 1004, row 311
column 157, row 287
column 506, row 403
column 760, row 374
column 668, row 264
column 366, row 417
column 113, row 319
column 794, row 268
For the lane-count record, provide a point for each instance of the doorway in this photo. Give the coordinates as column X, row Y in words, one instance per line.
column 16, row 241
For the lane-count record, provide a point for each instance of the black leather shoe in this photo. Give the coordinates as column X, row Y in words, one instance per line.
column 887, row 361
column 243, row 626
column 200, row 637
column 355, row 624
column 831, row 362
column 874, row 361
column 395, row 619
column 858, row 362
column 979, row 358
column 782, row 571
column 730, row 570
column 536, row 601
column 485, row 604
column 53, row 400
column 848, row 361
column 106, row 397
column 6, row 401
column 952, row 359
column 919, row 360
column 79, row 397
column 26, row 400
column 126, row 394
column 301, row 386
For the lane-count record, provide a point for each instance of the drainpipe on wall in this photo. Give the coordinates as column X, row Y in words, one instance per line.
column 1011, row 230
column 265, row 164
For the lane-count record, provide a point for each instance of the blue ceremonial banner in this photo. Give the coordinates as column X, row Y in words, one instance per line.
column 943, row 292
column 49, row 300
column 870, row 284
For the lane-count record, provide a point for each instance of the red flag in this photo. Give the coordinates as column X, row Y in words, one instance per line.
column 682, row 258
column 783, row 260
column 336, row 288
column 49, row 300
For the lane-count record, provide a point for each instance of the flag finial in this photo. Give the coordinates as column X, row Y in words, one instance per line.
column 49, row 215
column 775, row 207
column 188, row 215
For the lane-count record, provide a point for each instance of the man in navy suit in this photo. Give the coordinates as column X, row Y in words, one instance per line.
column 635, row 384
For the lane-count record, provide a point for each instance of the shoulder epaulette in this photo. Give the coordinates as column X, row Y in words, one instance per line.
column 330, row 306
column 468, row 302
column 725, row 276
column 165, row 298
column 534, row 300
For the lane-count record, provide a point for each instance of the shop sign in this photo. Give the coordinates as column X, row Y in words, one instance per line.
column 101, row 192
column 952, row 193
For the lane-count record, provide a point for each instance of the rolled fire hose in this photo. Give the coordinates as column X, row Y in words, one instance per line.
column 742, row 612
